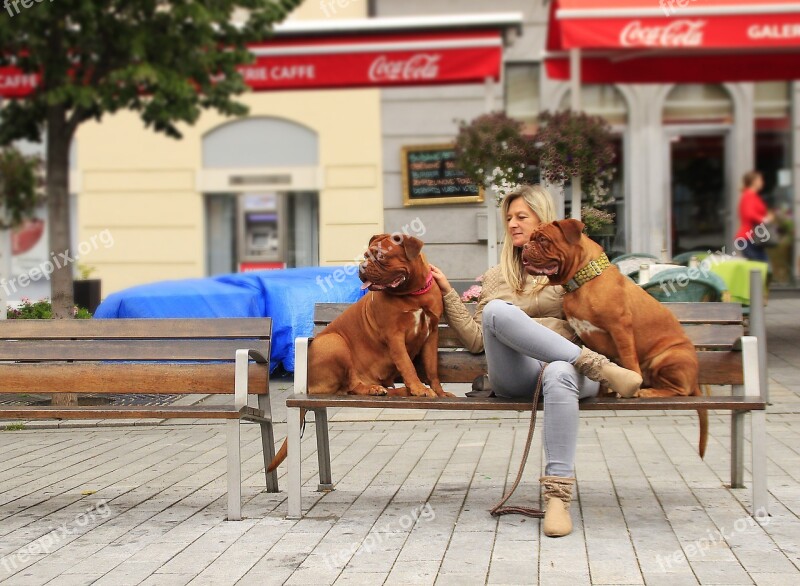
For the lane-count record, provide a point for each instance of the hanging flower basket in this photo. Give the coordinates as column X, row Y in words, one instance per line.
column 493, row 151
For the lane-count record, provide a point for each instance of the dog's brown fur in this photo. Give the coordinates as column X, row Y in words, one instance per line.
column 363, row 351
column 615, row 317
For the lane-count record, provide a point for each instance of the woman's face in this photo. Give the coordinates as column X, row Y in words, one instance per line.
column 521, row 221
column 758, row 184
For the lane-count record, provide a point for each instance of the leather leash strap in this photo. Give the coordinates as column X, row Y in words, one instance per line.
column 499, row 509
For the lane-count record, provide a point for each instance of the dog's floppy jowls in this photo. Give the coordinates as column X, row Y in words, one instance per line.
column 376, row 339
column 614, row 316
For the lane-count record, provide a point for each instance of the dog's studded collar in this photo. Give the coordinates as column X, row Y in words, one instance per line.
column 427, row 287
column 587, row 273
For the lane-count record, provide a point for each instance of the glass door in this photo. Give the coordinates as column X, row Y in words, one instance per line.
column 698, row 202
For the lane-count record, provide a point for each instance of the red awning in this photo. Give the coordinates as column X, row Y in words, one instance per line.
column 347, row 61
column 706, row 41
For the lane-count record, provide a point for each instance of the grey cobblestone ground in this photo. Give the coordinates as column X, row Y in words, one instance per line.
column 411, row 500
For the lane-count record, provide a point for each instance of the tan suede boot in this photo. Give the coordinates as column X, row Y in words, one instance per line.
column 599, row 368
column 557, row 496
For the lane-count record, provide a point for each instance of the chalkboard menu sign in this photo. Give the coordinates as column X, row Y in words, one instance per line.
column 430, row 176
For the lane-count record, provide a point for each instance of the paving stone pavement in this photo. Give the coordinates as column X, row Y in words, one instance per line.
column 117, row 504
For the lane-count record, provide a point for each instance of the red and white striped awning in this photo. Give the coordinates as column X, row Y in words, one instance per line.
column 640, row 41
column 375, row 52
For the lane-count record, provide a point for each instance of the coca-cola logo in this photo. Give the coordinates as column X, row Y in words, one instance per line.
column 681, row 33
column 418, row 67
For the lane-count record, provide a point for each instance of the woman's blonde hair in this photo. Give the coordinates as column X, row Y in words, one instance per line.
column 541, row 203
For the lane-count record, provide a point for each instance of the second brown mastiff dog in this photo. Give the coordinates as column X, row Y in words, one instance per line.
column 363, row 351
column 614, row 316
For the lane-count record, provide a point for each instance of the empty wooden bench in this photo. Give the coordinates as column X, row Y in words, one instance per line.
column 726, row 358
column 151, row 356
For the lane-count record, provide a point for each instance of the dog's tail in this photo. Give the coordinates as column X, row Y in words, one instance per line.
column 279, row 457
column 702, row 415
column 284, row 449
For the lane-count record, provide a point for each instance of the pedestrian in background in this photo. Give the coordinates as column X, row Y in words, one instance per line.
column 752, row 212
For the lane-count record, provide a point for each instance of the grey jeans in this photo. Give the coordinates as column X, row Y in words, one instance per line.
column 516, row 349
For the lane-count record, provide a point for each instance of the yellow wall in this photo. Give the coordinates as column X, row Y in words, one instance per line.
column 141, row 186
column 323, row 9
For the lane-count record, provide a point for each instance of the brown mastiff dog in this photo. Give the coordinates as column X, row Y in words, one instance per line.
column 363, row 351
column 614, row 316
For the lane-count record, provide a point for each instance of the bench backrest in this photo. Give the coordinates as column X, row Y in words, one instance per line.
column 131, row 355
column 714, row 328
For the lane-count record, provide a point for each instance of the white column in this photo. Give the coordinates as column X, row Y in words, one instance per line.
column 491, row 206
column 575, row 94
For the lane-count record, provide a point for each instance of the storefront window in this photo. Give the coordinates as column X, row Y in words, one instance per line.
column 773, row 139
column 522, row 93
column 607, row 102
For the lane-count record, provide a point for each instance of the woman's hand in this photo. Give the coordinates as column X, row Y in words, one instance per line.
column 441, row 280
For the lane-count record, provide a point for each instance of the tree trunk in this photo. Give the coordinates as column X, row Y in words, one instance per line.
column 58, row 141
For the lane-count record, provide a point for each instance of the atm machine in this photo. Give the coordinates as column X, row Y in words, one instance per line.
column 262, row 231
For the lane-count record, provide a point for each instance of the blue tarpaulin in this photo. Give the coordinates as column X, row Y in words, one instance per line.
column 287, row 296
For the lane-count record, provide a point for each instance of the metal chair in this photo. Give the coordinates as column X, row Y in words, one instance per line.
column 676, row 285
column 684, row 257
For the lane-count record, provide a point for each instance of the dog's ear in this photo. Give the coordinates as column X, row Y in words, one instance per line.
column 412, row 247
column 377, row 237
column 571, row 229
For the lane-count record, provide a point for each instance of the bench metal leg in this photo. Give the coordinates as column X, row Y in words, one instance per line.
column 323, row 450
column 293, row 459
column 758, row 431
column 737, row 442
column 268, row 444
column 234, row 471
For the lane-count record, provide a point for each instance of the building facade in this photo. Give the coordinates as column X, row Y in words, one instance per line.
column 308, row 176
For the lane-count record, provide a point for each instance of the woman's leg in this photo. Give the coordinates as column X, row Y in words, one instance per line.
column 513, row 328
column 512, row 350
column 563, row 387
column 509, row 333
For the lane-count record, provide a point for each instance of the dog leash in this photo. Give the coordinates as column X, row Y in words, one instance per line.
column 499, row 509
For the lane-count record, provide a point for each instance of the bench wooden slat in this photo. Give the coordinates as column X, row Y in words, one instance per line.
column 256, row 328
column 713, row 336
column 498, row 404
column 116, row 378
column 114, row 349
column 129, row 412
column 721, row 313
column 718, row 368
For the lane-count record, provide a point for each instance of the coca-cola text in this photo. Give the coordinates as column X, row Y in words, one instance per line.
column 681, row 33
column 418, row 67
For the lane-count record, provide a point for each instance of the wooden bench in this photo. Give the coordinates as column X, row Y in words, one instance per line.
column 726, row 358
column 151, row 356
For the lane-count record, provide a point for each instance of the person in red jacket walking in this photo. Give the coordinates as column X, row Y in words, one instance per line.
column 752, row 212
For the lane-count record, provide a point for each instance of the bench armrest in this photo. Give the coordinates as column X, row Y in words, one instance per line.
column 751, row 367
column 301, row 365
column 241, row 377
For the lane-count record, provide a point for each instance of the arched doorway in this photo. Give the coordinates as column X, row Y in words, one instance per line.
column 261, row 199
column 698, row 121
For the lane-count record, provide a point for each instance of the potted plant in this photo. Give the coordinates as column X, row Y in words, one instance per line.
column 86, row 290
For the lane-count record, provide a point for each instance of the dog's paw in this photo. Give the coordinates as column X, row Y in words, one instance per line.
column 422, row 391
column 377, row 390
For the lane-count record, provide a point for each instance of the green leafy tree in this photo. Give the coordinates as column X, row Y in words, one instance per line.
column 166, row 60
